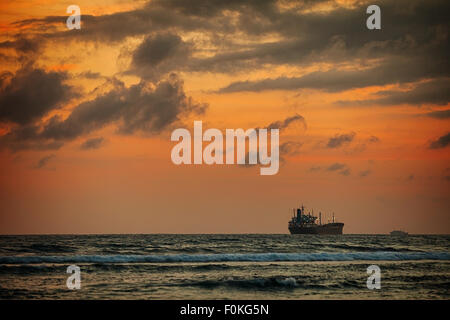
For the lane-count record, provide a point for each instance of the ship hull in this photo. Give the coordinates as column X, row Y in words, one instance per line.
column 329, row 228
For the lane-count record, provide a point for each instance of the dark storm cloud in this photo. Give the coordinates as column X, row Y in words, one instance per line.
column 400, row 71
column 340, row 139
column 411, row 48
column 159, row 54
column 417, row 27
column 432, row 92
column 139, row 108
column 44, row 161
column 210, row 8
column 93, row 143
column 412, row 44
column 116, row 27
column 27, row 137
column 152, row 17
column 155, row 49
column 444, row 114
column 31, row 94
column 22, row 45
column 441, row 142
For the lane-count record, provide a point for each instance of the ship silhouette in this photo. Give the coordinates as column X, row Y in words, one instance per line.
column 305, row 223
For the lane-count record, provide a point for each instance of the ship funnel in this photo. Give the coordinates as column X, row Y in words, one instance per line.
column 299, row 215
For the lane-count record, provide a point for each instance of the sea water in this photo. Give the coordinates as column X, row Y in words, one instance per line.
column 233, row 266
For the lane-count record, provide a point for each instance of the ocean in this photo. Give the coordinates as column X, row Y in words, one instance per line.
column 232, row 266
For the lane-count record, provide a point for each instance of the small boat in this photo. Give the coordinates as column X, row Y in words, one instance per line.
column 398, row 233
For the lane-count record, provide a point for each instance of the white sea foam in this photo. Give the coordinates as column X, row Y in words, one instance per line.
column 249, row 257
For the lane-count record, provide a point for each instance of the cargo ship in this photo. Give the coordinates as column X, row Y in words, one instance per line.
column 305, row 223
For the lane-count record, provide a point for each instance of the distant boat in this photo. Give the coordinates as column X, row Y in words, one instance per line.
column 399, row 233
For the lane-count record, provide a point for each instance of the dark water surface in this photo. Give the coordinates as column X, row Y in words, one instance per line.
column 224, row 266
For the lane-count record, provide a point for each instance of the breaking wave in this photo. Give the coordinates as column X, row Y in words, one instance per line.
column 229, row 257
column 256, row 283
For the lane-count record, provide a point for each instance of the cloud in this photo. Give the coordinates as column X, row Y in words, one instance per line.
column 31, row 94
column 444, row 114
column 286, row 122
column 141, row 108
column 290, row 148
column 441, row 142
column 93, row 143
column 365, row 173
column 308, row 37
column 286, row 149
column 409, row 53
column 340, row 168
column 395, row 70
column 432, row 92
column 228, row 37
column 90, row 75
column 157, row 48
column 21, row 45
column 159, row 54
column 340, row 139
column 137, row 108
column 361, row 146
column 44, row 161
column 305, row 36
column 336, row 166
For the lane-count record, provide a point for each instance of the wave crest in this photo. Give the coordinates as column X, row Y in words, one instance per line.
column 229, row 257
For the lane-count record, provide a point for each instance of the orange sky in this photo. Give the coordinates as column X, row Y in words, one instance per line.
column 129, row 184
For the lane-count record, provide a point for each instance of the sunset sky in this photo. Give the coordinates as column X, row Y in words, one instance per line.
column 86, row 115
